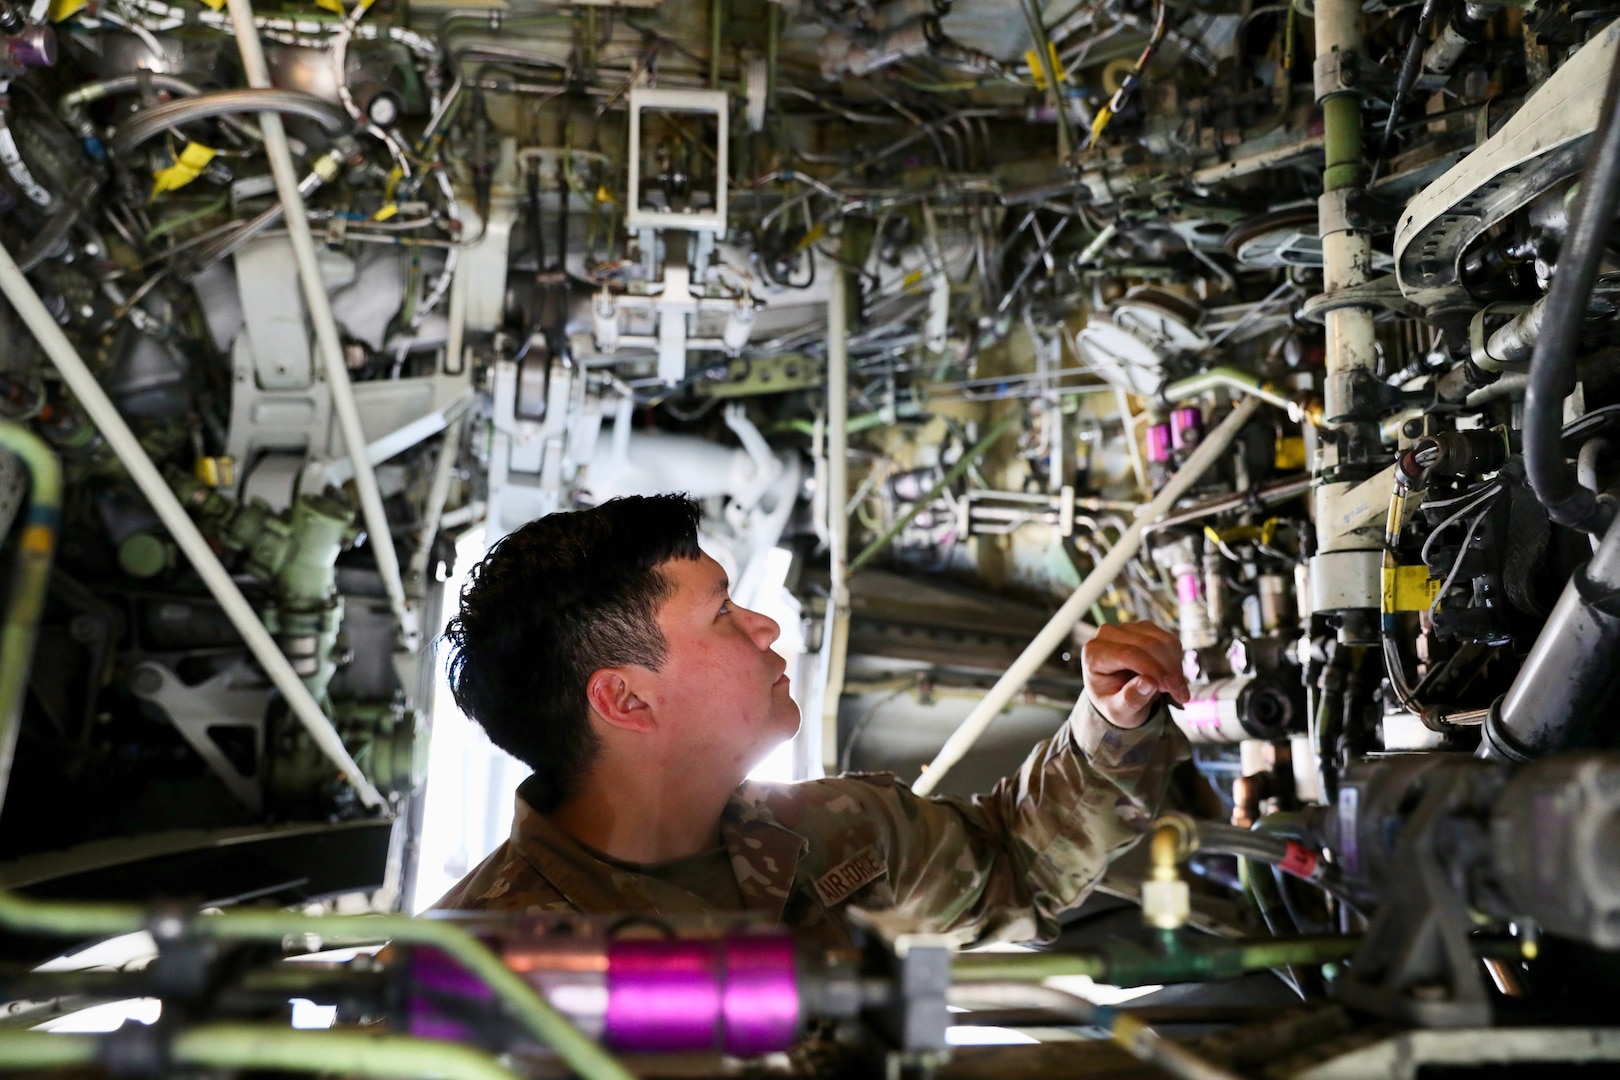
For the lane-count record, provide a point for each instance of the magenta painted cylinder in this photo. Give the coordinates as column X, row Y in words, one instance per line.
column 1186, row 428
column 663, row 996
column 761, row 998
column 1188, row 588
column 1158, row 443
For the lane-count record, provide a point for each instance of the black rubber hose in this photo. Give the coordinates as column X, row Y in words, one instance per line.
column 1552, row 366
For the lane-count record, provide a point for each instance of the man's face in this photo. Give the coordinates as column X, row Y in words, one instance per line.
column 721, row 693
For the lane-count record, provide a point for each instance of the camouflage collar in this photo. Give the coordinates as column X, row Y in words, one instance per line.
column 764, row 856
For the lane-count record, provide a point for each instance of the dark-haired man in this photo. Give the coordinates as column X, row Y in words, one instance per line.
column 602, row 648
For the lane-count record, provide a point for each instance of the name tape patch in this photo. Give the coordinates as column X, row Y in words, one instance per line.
column 837, row 884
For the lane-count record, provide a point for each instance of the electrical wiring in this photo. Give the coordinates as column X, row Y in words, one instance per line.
column 1133, row 79
column 1462, row 555
column 1484, row 497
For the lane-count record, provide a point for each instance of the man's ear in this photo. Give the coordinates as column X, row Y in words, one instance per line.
column 611, row 697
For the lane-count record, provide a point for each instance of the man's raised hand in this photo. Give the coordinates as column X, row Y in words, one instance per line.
column 1127, row 666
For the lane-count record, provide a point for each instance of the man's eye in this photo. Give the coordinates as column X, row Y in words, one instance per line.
column 725, row 607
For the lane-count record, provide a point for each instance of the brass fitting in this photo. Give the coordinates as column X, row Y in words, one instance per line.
column 1166, row 900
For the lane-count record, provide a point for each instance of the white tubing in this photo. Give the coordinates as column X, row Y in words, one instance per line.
column 1090, row 590
column 326, row 331
column 111, row 424
column 835, row 633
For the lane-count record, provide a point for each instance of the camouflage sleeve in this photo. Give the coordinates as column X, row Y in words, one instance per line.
column 1003, row 866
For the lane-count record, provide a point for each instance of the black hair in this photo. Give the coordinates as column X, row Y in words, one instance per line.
column 554, row 601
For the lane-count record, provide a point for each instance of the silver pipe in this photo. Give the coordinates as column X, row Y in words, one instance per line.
column 443, row 471
column 319, row 304
column 190, row 539
column 1091, row 589
column 149, row 123
column 1270, row 496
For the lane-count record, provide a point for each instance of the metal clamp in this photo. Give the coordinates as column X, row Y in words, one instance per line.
column 1344, row 210
column 1336, row 73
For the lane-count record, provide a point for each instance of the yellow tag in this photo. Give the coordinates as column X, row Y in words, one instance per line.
column 603, row 195
column 217, row 5
column 911, row 279
column 816, row 232
column 216, row 471
column 62, row 9
column 334, row 6
column 395, row 175
column 1036, row 69
column 1289, row 452
column 186, row 168
column 386, row 212
column 1409, row 588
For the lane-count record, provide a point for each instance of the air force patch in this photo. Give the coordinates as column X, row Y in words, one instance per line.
column 836, row 885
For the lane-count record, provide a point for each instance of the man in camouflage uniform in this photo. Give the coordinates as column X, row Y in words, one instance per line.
column 600, row 647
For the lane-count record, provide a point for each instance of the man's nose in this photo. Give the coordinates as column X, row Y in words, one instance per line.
column 763, row 629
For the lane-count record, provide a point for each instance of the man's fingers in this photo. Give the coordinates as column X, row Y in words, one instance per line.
column 1148, row 636
column 1117, row 657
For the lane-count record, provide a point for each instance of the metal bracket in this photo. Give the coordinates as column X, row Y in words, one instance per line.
column 196, row 711
column 1383, row 293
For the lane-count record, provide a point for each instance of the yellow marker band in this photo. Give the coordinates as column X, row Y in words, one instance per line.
column 37, row 540
column 1104, row 115
column 1038, row 73
column 395, row 175
column 1126, row 1029
column 386, row 212
column 810, row 238
column 334, row 6
column 186, row 168
column 63, row 9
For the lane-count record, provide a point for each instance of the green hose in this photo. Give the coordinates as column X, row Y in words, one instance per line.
column 237, row 1046
column 88, row 919
column 30, row 580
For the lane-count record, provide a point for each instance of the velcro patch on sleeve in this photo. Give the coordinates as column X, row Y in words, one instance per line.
column 836, row 885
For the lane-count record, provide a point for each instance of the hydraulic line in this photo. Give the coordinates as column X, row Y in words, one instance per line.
column 329, row 344
column 30, row 580
column 1135, row 1037
column 101, row 411
column 148, row 123
column 1552, row 366
column 954, row 473
column 71, row 106
column 1231, row 378
column 246, row 1046
column 81, row 919
column 1259, row 499
column 1174, row 958
column 1091, row 589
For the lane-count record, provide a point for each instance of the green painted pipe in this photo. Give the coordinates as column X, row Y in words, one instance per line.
column 89, row 919
column 29, row 583
column 238, row 1046
column 1341, row 142
column 716, row 20
column 953, row 474
column 1178, row 960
